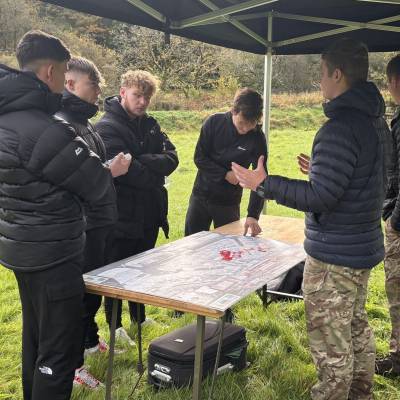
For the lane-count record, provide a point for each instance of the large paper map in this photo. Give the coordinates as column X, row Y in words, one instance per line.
column 207, row 269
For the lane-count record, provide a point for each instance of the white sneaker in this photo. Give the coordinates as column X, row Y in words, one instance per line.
column 122, row 334
column 84, row 378
column 101, row 347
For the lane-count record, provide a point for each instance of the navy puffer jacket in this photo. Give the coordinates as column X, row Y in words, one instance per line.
column 347, row 181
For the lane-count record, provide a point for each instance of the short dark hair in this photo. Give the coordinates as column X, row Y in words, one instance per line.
column 37, row 45
column 351, row 57
column 393, row 67
column 249, row 103
column 87, row 67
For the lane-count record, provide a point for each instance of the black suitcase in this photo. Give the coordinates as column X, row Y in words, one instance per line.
column 171, row 357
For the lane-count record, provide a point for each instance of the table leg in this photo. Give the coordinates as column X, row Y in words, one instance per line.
column 198, row 360
column 263, row 295
column 220, row 341
column 140, row 360
column 111, row 351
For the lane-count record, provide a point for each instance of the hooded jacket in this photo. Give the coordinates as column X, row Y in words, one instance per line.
column 347, row 181
column 391, row 207
column 46, row 171
column 77, row 113
column 141, row 196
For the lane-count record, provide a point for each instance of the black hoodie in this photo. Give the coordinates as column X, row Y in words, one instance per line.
column 141, row 196
column 347, row 181
column 77, row 113
column 45, row 173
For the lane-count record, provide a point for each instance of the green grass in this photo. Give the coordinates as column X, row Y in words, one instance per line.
column 298, row 117
column 281, row 366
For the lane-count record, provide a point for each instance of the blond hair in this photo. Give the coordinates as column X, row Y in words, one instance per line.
column 143, row 80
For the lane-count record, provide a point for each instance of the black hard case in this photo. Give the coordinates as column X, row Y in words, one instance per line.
column 171, row 357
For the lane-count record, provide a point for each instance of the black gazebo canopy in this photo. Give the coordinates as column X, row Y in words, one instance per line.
column 260, row 26
column 296, row 26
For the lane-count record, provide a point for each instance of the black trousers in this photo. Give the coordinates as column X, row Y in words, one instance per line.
column 96, row 255
column 123, row 248
column 52, row 330
column 201, row 214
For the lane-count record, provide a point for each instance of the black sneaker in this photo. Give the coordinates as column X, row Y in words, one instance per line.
column 387, row 366
column 177, row 314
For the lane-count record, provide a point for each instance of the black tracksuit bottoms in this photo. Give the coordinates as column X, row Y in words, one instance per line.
column 96, row 255
column 201, row 213
column 124, row 248
column 52, row 330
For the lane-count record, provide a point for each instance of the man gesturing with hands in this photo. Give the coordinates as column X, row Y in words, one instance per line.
column 343, row 201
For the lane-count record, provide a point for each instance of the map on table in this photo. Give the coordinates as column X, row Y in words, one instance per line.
column 206, row 269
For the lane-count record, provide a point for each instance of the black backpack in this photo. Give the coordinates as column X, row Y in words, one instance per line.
column 291, row 284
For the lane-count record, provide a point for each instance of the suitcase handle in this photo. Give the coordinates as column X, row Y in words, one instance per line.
column 161, row 376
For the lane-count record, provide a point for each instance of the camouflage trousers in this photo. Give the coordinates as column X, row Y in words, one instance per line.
column 392, row 284
column 341, row 341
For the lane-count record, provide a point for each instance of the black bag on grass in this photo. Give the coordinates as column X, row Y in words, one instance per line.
column 292, row 282
column 171, row 357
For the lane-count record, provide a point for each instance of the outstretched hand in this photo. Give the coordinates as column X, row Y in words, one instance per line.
column 250, row 179
column 304, row 163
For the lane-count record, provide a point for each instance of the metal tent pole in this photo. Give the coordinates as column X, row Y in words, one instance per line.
column 267, row 87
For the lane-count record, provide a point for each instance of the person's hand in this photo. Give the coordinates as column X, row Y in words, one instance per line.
column 231, row 178
column 250, row 179
column 304, row 163
column 252, row 224
column 120, row 164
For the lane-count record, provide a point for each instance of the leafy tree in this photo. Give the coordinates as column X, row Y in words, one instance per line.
column 180, row 64
column 16, row 17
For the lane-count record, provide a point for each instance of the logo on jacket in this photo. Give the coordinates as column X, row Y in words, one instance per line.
column 46, row 370
column 78, row 151
column 241, row 148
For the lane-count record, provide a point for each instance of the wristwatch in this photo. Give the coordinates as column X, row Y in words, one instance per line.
column 260, row 190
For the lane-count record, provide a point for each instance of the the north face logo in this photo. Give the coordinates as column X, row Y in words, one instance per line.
column 46, row 370
column 78, row 151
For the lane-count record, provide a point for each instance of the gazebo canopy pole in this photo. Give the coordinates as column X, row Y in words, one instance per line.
column 267, row 87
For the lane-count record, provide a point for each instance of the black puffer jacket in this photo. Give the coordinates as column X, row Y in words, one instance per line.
column 77, row 113
column 391, row 207
column 45, row 172
column 347, row 181
column 141, row 196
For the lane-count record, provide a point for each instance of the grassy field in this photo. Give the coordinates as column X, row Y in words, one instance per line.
column 281, row 366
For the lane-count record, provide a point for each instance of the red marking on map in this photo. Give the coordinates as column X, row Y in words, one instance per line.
column 228, row 255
